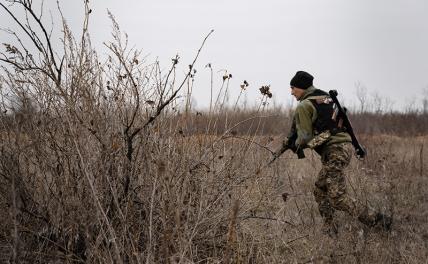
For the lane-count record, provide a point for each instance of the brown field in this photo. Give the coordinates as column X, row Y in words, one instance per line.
column 101, row 163
column 205, row 199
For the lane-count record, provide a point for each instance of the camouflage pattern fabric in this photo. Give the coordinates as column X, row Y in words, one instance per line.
column 318, row 140
column 330, row 187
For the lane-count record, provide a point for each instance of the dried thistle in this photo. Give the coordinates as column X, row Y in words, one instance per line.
column 10, row 48
column 192, row 75
column 284, row 196
column 227, row 76
column 175, row 60
column 244, row 85
column 265, row 91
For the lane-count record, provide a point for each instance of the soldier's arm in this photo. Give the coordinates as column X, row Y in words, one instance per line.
column 305, row 115
column 289, row 143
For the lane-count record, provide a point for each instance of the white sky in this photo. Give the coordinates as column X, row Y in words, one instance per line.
column 379, row 43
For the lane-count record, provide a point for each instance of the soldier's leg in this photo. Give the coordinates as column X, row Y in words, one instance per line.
column 324, row 206
column 335, row 160
column 321, row 197
column 339, row 200
column 338, row 197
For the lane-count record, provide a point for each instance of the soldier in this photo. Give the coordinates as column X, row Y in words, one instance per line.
column 318, row 128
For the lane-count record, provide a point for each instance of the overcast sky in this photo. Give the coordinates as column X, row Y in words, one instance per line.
column 381, row 44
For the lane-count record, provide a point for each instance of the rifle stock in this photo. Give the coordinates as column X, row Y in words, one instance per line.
column 359, row 149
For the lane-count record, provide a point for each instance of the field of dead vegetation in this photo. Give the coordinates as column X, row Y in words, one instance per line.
column 205, row 199
column 103, row 159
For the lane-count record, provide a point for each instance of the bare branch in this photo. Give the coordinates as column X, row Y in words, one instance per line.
column 174, row 94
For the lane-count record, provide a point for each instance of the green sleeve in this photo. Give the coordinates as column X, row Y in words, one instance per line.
column 305, row 115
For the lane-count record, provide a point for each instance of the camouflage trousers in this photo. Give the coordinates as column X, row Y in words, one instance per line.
column 330, row 187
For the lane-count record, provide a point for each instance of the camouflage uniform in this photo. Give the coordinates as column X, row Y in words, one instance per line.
column 330, row 187
column 336, row 152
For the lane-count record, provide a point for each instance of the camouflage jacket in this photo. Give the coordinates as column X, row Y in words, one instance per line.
column 305, row 116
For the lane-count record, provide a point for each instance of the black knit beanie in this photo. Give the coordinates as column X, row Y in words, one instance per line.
column 302, row 80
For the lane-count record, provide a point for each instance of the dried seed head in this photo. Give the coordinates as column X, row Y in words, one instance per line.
column 265, row 90
column 244, row 85
column 284, row 196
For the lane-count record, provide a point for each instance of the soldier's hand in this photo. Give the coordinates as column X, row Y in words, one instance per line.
column 289, row 144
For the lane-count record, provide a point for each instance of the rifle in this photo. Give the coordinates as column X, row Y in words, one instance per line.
column 359, row 149
column 289, row 144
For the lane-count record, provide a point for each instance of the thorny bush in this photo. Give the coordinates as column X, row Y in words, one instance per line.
column 95, row 162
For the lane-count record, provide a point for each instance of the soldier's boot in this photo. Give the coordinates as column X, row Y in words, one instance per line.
column 385, row 221
column 366, row 220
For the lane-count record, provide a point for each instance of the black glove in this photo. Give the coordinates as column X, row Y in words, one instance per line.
column 290, row 144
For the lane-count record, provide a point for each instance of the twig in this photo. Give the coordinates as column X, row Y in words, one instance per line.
column 267, row 218
column 298, row 238
column 162, row 106
column 251, row 142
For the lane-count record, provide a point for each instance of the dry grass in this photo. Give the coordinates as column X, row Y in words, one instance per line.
column 98, row 164
column 198, row 198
